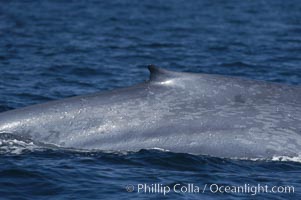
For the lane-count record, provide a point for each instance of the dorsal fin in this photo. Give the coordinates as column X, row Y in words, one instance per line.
column 158, row 74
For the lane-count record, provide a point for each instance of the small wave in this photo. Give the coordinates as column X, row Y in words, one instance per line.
column 19, row 146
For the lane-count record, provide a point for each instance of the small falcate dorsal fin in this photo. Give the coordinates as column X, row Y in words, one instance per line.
column 159, row 75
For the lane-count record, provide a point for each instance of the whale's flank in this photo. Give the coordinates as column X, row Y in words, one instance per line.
column 201, row 114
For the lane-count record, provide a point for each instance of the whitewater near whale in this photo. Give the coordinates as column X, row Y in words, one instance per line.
column 182, row 112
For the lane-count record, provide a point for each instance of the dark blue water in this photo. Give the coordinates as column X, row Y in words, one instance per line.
column 56, row 49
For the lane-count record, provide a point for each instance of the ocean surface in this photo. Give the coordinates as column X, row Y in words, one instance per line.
column 53, row 49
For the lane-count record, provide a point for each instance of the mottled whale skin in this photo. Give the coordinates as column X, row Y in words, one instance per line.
column 182, row 112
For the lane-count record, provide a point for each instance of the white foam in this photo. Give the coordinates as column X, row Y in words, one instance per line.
column 14, row 146
column 160, row 149
column 275, row 158
column 286, row 158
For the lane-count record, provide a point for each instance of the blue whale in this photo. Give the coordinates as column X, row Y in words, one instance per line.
column 204, row 114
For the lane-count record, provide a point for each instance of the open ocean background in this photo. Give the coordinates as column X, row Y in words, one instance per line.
column 53, row 49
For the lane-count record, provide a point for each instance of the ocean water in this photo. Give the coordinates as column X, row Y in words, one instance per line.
column 56, row 49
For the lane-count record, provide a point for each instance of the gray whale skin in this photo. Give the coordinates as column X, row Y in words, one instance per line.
column 204, row 114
